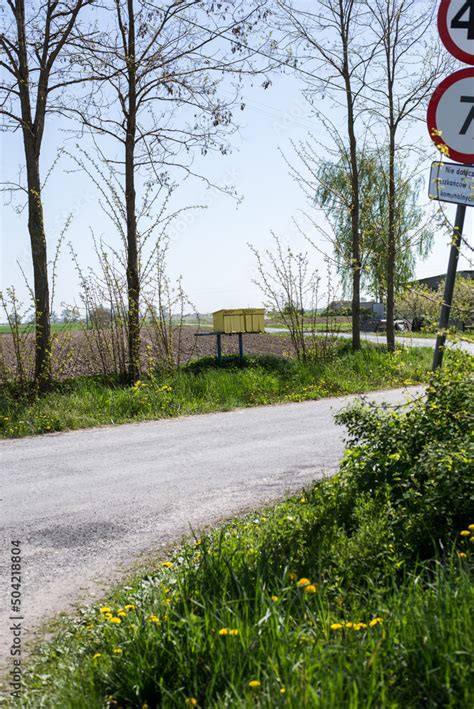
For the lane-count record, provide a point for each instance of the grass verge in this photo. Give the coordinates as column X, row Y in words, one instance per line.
column 202, row 387
column 356, row 594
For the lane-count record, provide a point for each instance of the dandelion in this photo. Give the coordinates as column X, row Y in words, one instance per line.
column 471, row 528
column 282, row 690
column 105, row 609
column 115, row 620
column 336, row 626
column 302, row 500
column 121, row 613
column 360, row 626
column 233, row 631
column 167, row 564
column 97, row 654
column 292, row 576
column 154, row 619
column 349, row 625
column 108, row 616
column 462, row 555
column 465, row 533
column 191, row 702
column 275, row 599
column 129, row 607
column 224, row 631
column 118, row 651
column 375, row 621
column 311, row 588
column 254, row 683
column 303, row 582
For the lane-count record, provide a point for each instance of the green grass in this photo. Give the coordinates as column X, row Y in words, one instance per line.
column 202, row 387
column 5, row 329
column 356, row 593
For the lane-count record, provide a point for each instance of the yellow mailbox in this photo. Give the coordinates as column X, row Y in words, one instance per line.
column 241, row 320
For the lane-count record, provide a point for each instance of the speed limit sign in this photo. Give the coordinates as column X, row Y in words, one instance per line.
column 451, row 116
column 456, row 28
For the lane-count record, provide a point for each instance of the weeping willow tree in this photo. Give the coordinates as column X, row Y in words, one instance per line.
column 412, row 227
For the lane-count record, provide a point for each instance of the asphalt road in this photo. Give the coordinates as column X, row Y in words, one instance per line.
column 407, row 341
column 87, row 504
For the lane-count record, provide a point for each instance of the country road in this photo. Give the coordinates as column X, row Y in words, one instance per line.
column 87, row 504
column 381, row 339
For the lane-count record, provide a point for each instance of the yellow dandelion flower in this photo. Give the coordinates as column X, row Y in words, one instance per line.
column 275, row 599
column 121, row 613
column 375, row 621
column 105, row 609
column 154, row 619
column 167, row 564
column 465, row 533
column 349, row 625
column 108, row 616
column 191, row 702
column 233, row 631
column 97, row 654
column 462, row 555
column 336, row 626
column 130, row 607
column 292, row 576
column 311, row 588
column 302, row 500
column 303, row 582
column 254, row 683
column 118, row 651
column 282, row 690
column 471, row 527
column 115, row 620
column 224, row 631
column 360, row 626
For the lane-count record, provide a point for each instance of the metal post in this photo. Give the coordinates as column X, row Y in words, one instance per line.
column 449, row 286
column 219, row 348
column 241, row 348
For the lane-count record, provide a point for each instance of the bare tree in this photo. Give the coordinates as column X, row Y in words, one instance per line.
column 290, row 287
column 331, row 57
column 406, row 71
column 33, row 39
column 160, row 69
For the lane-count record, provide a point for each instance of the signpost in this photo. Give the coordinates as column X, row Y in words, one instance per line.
column 451, row 126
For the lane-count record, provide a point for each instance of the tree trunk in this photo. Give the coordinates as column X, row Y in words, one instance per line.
column 356, row 262
column 345, row 22
column 40, row 272
column 32, row 138
column 133, row 278
column 391, row 247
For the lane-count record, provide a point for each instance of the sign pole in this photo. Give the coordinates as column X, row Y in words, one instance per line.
column 449, row 286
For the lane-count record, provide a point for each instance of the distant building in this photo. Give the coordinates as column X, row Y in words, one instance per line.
column 433, row 282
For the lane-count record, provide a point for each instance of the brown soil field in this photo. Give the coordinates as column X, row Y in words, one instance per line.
column 89, row 352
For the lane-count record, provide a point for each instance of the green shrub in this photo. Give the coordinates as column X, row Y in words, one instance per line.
column 423, row 458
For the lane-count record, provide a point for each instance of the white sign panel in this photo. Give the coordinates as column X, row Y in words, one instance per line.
column 450, row 182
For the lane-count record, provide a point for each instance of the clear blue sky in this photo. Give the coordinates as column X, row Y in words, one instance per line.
column 210, row 249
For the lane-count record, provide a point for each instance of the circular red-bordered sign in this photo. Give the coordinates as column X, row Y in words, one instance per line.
column 451, row 116
column 456, row 28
